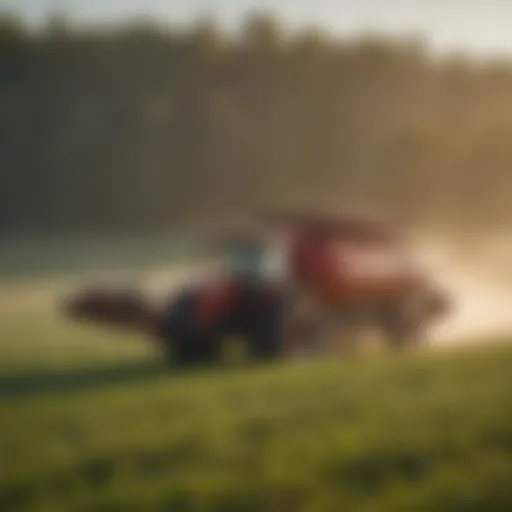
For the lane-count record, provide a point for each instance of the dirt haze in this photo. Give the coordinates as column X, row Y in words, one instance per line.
column 477, row 275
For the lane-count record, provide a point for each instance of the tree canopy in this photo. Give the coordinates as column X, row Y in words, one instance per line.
column 140, row 126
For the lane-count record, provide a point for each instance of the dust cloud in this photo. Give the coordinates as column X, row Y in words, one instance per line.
column 478, row 276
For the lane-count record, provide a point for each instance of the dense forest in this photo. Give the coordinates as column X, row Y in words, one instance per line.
column 140, row 126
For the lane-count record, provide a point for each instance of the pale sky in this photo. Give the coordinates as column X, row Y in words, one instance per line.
column 478, row 26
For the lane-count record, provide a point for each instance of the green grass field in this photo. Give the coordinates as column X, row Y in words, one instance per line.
column 89, row 422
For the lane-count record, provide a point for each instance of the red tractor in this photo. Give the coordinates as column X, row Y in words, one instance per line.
column 303, row 280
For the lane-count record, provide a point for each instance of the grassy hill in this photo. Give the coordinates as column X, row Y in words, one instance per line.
column 96, row 422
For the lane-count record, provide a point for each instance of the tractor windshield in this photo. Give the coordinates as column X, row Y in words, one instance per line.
column 255, row 259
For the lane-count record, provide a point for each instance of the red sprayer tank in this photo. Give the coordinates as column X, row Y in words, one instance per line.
column 348, row 261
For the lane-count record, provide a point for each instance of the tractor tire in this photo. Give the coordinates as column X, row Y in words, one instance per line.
column 265, row 333
column 184, row 345
column 401, row 325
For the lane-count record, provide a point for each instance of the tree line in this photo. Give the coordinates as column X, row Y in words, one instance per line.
column 139, row 126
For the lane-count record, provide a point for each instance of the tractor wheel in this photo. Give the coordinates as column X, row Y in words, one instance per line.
column 265, row 334
column 188, row 348
column 401, row 325
column 184, row 345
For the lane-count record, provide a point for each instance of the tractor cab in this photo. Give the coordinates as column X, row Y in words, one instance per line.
column 253, row 257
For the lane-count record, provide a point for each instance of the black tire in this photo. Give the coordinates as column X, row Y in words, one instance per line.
column 184, row 344
column 401, row 327
column 191, row 348
column 265, row 333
